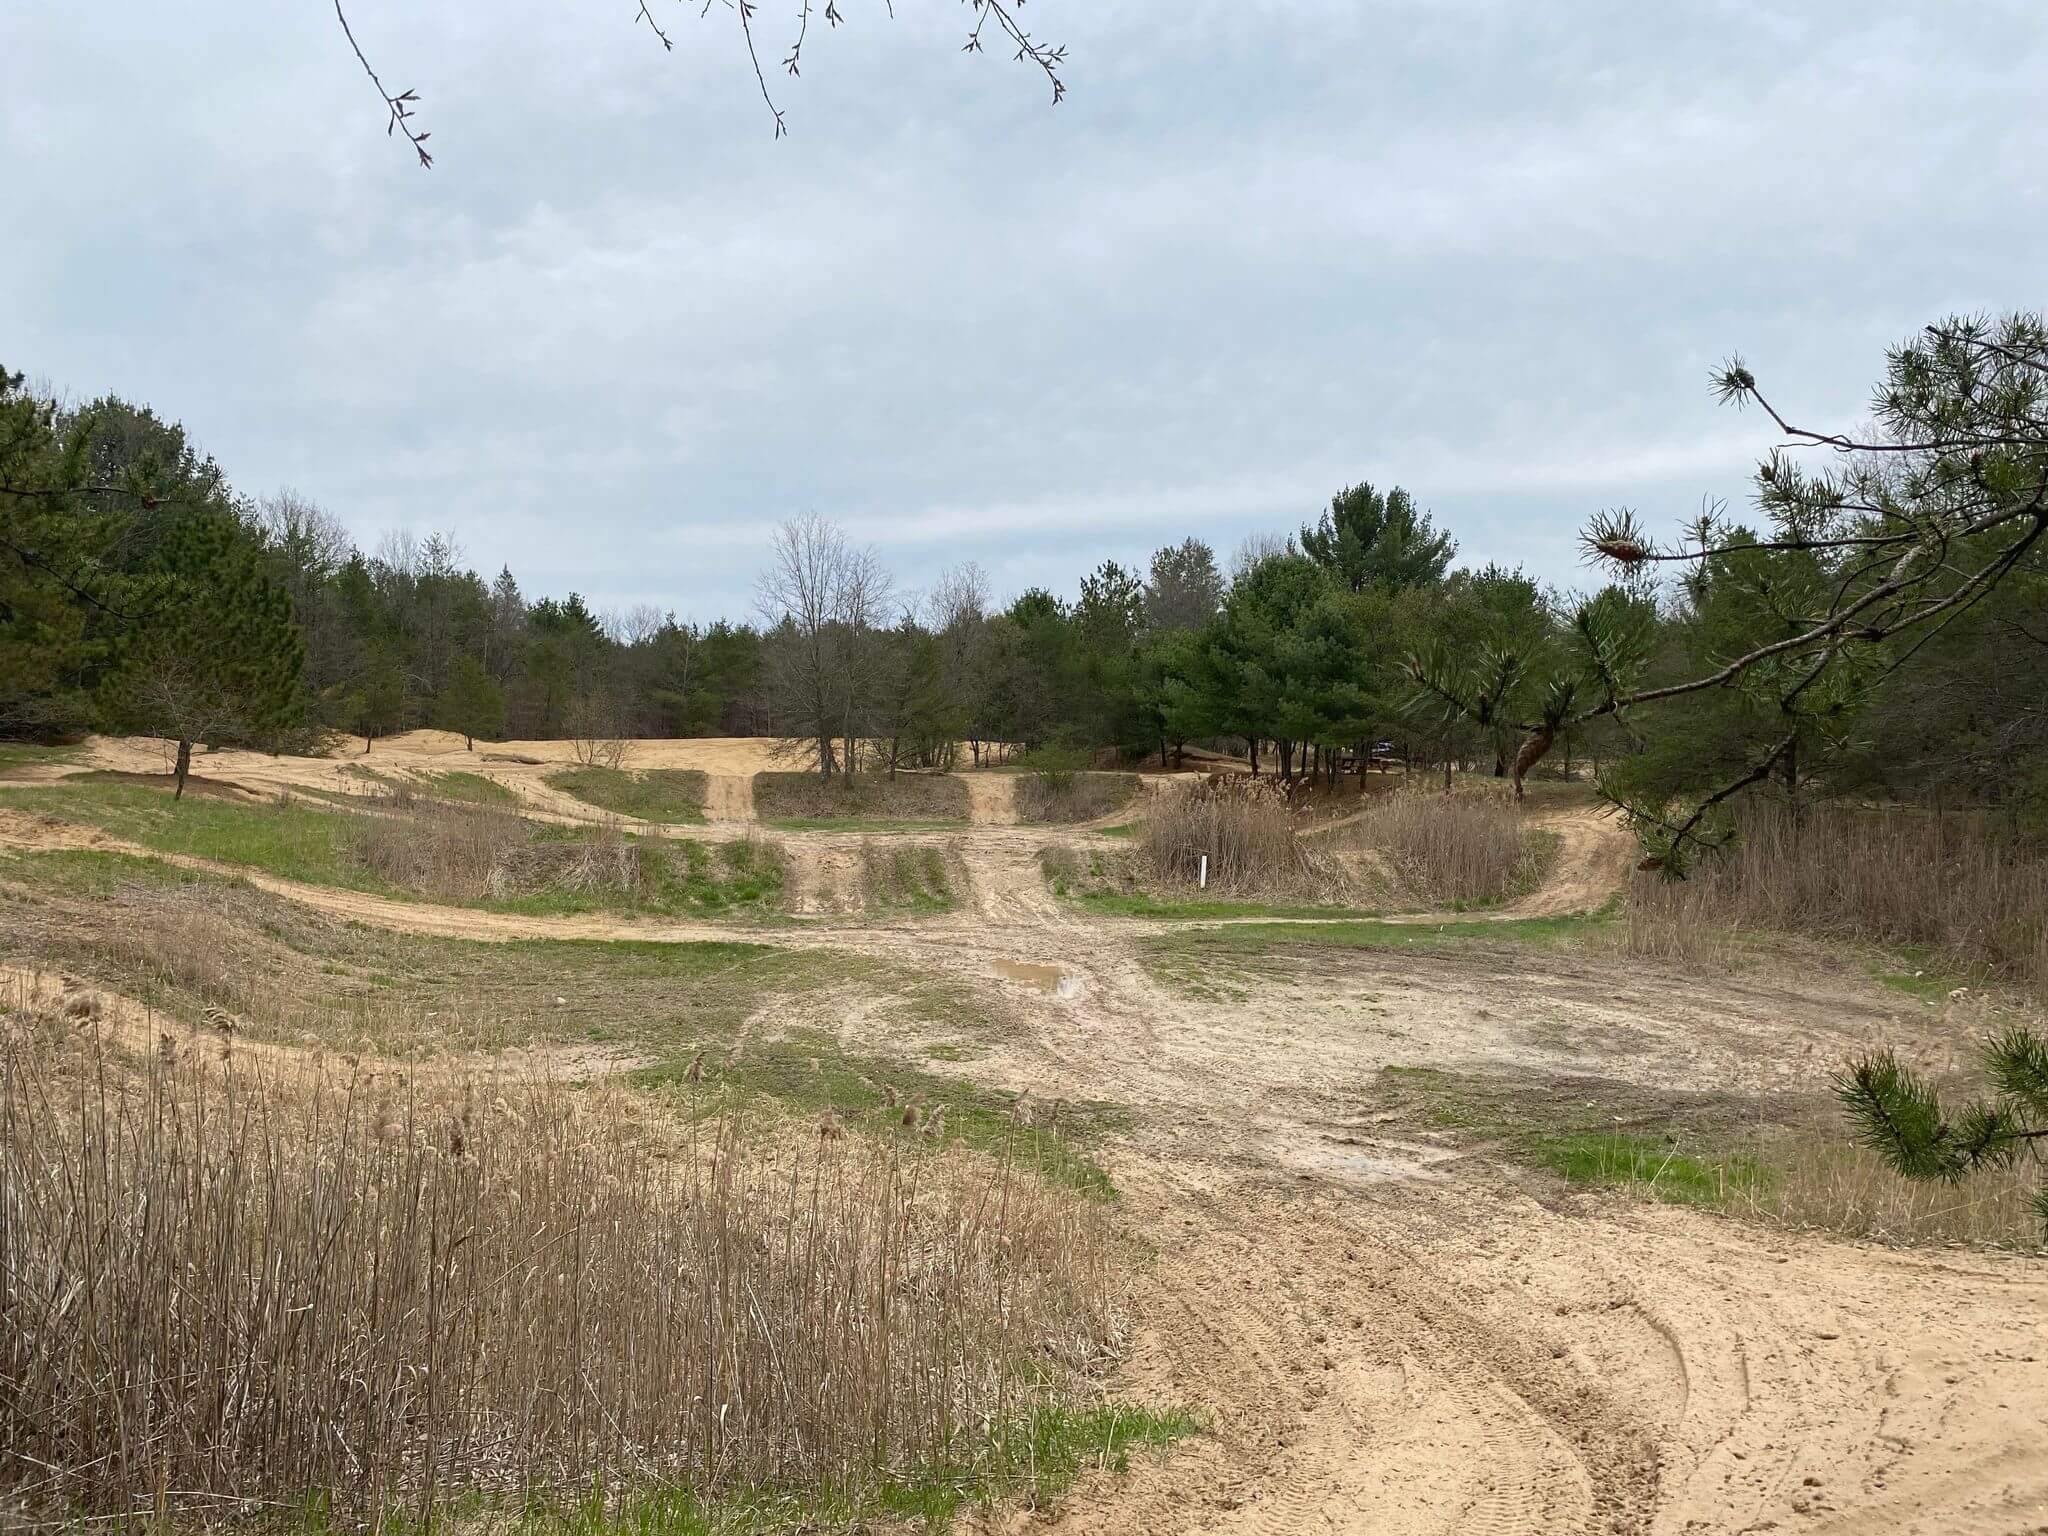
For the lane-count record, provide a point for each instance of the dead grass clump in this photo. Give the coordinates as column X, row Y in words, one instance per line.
column 1058, row 795
column 602, row 861
column 1677, row 921
column 448, row 851
column 1896, row 877
column 232, row 1286
column 1249, row 834
column 1454, row 850
column 860, row 796
column 1834, row 1185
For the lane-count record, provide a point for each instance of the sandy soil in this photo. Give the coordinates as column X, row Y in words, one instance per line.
column 1394, row 1334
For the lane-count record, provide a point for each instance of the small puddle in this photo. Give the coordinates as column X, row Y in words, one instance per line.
column 1046, row 978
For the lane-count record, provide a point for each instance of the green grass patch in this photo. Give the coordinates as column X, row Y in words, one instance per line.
column 469, row 788
column 906, row 879
column 297, row 841
column 1651, row 1165
column 30, row 754
column 1138, row 904
column 808, row 1072
column 320, row 845
column 1032, row 1461
column 1672, row 1148
column 1121, row 829
column 672, row 796
column 1919, row 972
column 98, row 872
column 1216, row 960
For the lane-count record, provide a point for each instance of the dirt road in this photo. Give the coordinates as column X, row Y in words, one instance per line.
column 1393, row 1335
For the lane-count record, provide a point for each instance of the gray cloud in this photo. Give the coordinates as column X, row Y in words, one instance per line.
column 1490, row 250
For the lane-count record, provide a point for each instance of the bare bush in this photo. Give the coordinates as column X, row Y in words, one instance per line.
column 602, row 860
column 231, row 1283
column 1248, row 833
column 1891, row 877
column 597, row 734
column 1456, row 850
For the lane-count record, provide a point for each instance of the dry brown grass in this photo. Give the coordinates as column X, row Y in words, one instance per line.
column 231, row 1284
column 1830, row 1184
column 1062, row 796
column 1896, row 878
column 1248, row 831
column 1462, row 849
column 861, row 796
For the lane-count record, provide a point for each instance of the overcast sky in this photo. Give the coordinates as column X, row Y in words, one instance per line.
column 1487, row 249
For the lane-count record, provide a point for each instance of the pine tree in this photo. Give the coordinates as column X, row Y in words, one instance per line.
column 471, row 705
column 215, row 656
column 1902, row 1117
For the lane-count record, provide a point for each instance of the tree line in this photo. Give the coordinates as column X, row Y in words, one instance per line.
column 140, row 591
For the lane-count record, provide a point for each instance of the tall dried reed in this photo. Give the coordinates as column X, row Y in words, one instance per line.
column 235, row 1285
column 1456, row 849
column 1248, row 832
column 1893, row 877
column 1060, row 795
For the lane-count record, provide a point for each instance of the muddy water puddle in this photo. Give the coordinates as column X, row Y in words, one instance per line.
column 1044, row 978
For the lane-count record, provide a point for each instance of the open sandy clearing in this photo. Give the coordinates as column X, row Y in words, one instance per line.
column 1392, row 1337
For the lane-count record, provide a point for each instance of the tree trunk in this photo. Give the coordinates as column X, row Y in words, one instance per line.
column 1252, row 745
column 469, row 743
column 895, row 751
column 824, row 757
column 184, row 768
column 1447, row 773
column 1533, row 748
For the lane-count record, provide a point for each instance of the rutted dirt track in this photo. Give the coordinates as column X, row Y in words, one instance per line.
column 1391, row 1338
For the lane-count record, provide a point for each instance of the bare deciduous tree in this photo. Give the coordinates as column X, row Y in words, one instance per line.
column 820, row 600
column 596, row 731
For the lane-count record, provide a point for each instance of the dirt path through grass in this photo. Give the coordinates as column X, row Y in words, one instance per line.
column 1395, row 1333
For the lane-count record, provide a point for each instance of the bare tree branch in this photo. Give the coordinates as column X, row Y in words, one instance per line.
column 400, row 106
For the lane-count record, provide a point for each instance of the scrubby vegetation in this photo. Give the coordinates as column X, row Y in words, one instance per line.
column 254, row 1282
column 1451, row 850
column 807, row 800
column 1054, row 795
column 1973, row 901
column 1247, row 832
column 670, row 795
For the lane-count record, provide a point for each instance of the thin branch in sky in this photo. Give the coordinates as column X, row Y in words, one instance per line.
column 400, row 106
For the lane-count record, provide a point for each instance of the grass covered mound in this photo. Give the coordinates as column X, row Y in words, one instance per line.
column 804, row 801
column 674, row 796
column 459, row 854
